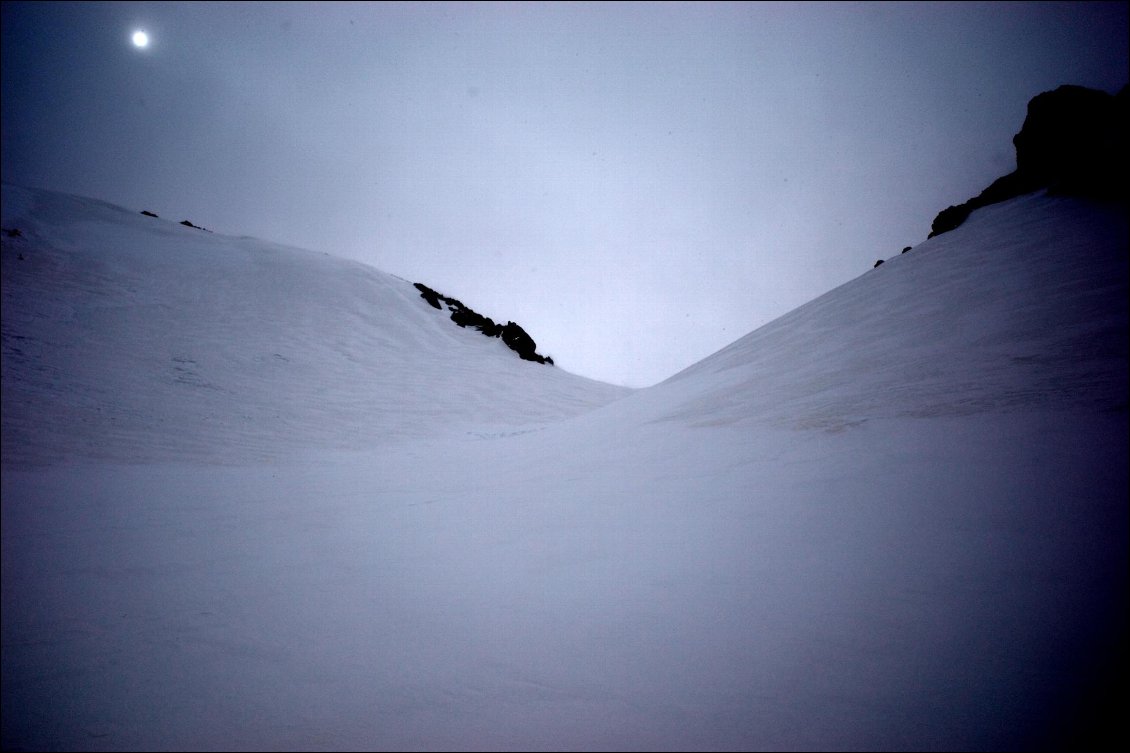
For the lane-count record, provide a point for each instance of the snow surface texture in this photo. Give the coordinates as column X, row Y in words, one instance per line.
column 132, row 338
column 258, row 498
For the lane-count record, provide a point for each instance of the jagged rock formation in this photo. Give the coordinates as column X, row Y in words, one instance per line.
column 1072, row 142
column 513, row 335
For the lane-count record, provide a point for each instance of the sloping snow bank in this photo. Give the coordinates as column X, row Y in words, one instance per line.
column 894, row 519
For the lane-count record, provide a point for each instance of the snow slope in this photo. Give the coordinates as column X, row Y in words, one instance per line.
column 1026, row 309
column 892, row 519
column 133, row 338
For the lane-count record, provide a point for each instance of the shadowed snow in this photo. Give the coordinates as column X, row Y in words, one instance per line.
column 257, row 498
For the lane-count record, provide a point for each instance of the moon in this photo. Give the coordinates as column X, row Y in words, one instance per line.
column 140, row 39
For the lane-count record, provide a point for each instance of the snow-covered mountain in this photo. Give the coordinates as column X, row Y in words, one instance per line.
column 258, row 498
column 1026, row 310
column 133, row 338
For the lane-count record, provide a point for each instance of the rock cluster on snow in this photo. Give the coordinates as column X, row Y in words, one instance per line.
column 514, row 336
column 1072, row 142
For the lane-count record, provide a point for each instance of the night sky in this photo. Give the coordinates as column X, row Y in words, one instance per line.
column 635, row 184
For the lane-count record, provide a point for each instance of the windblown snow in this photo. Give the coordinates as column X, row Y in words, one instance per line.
column 260, row 498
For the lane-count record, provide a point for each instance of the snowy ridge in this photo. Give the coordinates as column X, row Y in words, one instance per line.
column 119, row 326
column 1024, row 308
column 893, row 519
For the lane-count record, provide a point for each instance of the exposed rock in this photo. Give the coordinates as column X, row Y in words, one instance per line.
column 147, row 213
column 520, row 342
column 878, row 263
column 428, row 294
column 465, row 317
column 513, row 335
column 951, row 217
column 1072, row 142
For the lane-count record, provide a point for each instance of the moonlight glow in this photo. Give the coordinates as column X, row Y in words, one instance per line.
column 140, row 39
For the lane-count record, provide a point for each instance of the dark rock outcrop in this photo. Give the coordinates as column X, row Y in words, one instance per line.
column 429, row 295
column 513, row 335
column 465, row 317
column 521, row 343
column 1072, row 142
column 147, row 213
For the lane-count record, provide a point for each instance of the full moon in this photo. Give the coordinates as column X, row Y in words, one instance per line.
column 140, row 39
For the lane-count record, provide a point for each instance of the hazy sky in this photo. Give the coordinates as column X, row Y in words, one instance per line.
column 636, row 184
